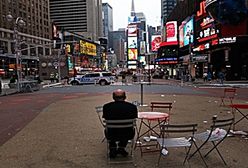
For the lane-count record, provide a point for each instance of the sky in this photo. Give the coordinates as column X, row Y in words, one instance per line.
column 122, row 10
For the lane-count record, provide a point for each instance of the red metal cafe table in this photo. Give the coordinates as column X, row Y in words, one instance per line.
column 238, row 108
column 148, row 122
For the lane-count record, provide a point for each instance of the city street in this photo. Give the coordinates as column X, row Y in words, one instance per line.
column 58, row 126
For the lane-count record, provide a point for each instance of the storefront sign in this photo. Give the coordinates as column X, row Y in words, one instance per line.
column 156, row 40
column 12, row 66
column 227, row 40
column 201, row 47
column 166, row 61
column 200, row 58
column 208, row 34
column 206, row 21
column 87, row 48
column 205, row 27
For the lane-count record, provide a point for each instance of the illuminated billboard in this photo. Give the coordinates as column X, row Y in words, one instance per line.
column 142, row 60
column 155, row 44
column 132, row 46
column 132, row 30
column 188, row 32
column 181, row 35
column 132, row 54
column 171, row 31
column 87, row 48
column 132, row 42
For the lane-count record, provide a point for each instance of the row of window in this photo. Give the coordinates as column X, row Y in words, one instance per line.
column 24, row 47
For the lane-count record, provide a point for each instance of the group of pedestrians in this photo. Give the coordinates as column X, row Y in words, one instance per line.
column 209, row 77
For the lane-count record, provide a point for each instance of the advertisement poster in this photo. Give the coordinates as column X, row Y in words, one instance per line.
column 188, row 32
column 181, row 35
column 132, row 42
column 142, row 60
column 132, row 31
column 132, row 54
column 171, row 31
column 87, row 48
column 155, row 44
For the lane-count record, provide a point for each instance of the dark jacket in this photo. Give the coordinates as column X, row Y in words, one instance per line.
column 116, row 111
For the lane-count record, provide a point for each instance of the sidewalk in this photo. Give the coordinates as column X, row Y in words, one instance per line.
column 8, row 91
column 201, row 83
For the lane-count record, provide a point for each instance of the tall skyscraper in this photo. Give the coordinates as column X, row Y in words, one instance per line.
column 31, row 39
column 79, row 16
column 107, row 19
column 132, row 9
column 166, row 8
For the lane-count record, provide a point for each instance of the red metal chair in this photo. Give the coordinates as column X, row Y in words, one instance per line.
column 229, row 94
column 162, row 105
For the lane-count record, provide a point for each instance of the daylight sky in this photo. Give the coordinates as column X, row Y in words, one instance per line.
column 122, row 9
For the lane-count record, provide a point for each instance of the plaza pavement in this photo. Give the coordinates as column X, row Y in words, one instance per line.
column 68, row 134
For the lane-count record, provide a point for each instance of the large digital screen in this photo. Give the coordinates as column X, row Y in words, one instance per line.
column 132, row 42
column 132, row 30
column 188, row 32
column 132, row 54
column 155, row 44
column 87, row 48
column 171, row 31
column 142, row 60
column 181, row 35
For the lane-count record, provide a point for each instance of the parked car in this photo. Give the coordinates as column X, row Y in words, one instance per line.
column 102, row 78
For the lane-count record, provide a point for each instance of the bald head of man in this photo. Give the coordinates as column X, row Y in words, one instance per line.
column 119, row 95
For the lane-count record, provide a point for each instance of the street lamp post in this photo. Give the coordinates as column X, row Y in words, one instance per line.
column 149, row 68
column 18, row 22
column 189, row 34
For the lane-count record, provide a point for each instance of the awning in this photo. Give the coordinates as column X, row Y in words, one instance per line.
column 166, row 43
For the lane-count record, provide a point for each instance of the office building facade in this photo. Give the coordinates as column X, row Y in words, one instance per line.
column 83, row 17
column 33, row 37
column 107, row 19
column 167, row 7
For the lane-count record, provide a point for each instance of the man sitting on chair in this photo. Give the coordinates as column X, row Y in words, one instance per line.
column 119, row 109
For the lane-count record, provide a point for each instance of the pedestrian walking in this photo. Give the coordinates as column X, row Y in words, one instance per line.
column 209, row 77
column 52, row 77
column 123, row 78
column 205, row 75
column 221, row 77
